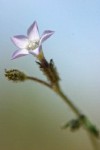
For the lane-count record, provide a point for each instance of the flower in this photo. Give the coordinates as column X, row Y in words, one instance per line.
column 32, row 43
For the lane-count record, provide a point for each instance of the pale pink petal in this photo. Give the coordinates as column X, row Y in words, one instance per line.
column 33, row 32
column 20, row 41
column 36, row 51
column 19, row 53
column 46, row 34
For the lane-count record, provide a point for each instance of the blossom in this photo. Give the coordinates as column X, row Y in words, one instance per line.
column 32, row 43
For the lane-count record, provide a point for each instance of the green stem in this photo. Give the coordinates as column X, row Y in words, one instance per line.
column 67, row 100
column 59, row 92
column 86, row 123
column 39, row 81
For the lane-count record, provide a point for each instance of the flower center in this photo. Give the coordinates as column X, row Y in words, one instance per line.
column 33, row 45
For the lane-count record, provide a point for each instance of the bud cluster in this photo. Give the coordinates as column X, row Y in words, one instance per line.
column 15, row 75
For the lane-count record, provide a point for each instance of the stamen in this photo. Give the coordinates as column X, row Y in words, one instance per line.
column 32, row 45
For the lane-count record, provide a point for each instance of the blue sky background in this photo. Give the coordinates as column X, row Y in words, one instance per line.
column 75, row 48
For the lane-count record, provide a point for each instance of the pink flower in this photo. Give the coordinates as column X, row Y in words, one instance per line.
column 32, row 43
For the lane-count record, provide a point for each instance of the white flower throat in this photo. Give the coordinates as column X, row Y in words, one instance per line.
column 33, row 45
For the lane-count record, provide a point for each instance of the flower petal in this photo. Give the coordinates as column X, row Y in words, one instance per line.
column 19, row 53
column 46, row 34
column 33, row 32
column 36, row 51
column 20, row 41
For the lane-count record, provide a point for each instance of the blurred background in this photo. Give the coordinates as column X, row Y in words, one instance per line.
column 31, row 115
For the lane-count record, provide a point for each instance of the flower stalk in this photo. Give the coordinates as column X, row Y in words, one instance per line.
column 67, row 100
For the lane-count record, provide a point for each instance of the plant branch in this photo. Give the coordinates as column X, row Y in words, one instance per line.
column 68, row 101
column 86, row 123
column 59, row 92
column 39, row 81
